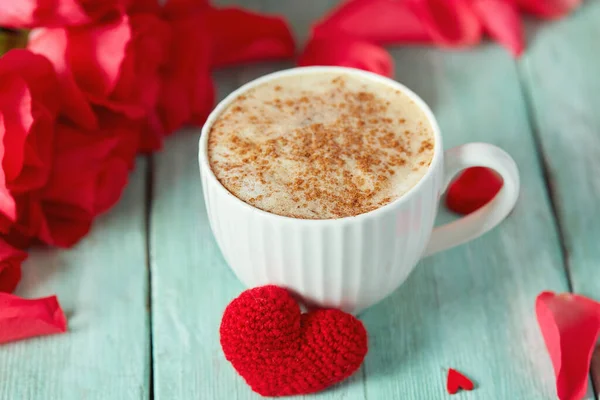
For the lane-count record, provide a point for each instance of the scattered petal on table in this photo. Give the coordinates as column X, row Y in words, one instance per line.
column 25, row 318
column 473, row 189
column 244, row 36
column 396, row 22
column 181, row 8
column 347, row 52
column 501, row 20
column 570, row 325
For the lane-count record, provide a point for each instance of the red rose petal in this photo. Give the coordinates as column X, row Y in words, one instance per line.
column 113, row 175
column 64, row 224
column 184, row 8
column 549, row 8
column 89, row 173
column 187, row 94
column 137, row 88
column 21, row 232
column 151, row 134
column 10, row 266
column 15, row 105
column 450, row 23
column 473, row 189
column 25, row 318
column 110, row 184
column 28, row 105
column 501, row 20
column 242, row 36
column 396, row 22
column 113, row 64
column 347, row 52
column 8, row 207
column 25, row 127
column 143, row 6
column 96, row 53
column 79, row 157
column 52, row 43
column 36, row 71
column 570, row 325
column 456, row 381
column 124, row 131
column 36, row 13
column 88, row 176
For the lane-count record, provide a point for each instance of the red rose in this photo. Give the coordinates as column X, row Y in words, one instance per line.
column 72, row 100
column 27, row 117
column 35, row 13
column 187, row 91
column 10, row 266
column 22, row 232
column 112, row 177
column 25, row 318
column 205, row 37
column 89, row 173
column 114, row 64
column 88, row 176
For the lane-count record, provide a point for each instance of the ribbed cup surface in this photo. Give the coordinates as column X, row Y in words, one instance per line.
column 350, row 263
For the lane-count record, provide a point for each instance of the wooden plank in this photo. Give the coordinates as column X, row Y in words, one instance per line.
column 102, row 286
column 561, row 72
column 472, row 308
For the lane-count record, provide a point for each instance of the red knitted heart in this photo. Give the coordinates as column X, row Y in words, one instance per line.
column 281, row 352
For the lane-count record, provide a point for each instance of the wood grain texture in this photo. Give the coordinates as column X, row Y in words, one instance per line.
column 561, row 73
column 102, row 285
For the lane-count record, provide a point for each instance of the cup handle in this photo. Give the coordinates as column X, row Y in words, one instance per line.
column 487, row 217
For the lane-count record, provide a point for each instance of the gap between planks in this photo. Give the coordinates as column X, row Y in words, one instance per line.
column 553, row 199
column 148, row 193
column 546, row 173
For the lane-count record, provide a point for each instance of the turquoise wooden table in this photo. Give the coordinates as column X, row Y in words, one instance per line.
column 145, row 291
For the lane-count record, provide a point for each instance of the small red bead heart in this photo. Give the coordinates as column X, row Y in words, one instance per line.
column 281, row 352
column 473, row 189
column 457, row 381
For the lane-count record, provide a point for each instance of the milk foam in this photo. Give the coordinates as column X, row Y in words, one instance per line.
column 320, row 145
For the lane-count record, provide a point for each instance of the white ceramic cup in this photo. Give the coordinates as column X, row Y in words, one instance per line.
column 354, row 262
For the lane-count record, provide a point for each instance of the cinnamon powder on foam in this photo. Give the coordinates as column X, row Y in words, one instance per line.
column 320, row 146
